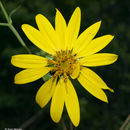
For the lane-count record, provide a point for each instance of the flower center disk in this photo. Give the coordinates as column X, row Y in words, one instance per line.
column 63, row 63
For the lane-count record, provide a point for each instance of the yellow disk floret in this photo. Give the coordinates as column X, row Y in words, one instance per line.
column 63, row 63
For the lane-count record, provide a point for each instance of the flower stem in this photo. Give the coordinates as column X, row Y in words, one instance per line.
column 12, row 28
column 63, row 124
column 19, row 37
column 4, row 11
column 3, row 24
column 71, row 125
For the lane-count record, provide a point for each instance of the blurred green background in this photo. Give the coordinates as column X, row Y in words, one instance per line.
column 17, row 102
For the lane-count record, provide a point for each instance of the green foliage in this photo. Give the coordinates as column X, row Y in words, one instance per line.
column 17, row 102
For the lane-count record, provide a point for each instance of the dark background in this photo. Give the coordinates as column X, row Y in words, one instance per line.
column 17, row 102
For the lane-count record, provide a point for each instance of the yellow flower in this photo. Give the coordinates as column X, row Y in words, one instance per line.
column 71, row 57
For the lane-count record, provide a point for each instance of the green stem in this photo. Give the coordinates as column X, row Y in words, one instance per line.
column 4, row 12
column 4, row 24
column 10, row 25
column 71, row 125
column 63, row 124
column 19, row 37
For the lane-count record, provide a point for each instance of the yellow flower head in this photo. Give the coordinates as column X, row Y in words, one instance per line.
column 71, row 57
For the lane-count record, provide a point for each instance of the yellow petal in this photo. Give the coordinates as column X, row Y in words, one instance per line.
column 47, row 31
column 57, row 103
column 37, row 38
column 73, row 28
column 28, row 61
column 76, row 71
column 95, row 79
column 85, row 37
column 60, row 28
column 45, row 92
column 29, row 75
column 98, row 59
column 96, row 45
column 72, row 103
column 93, row 84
